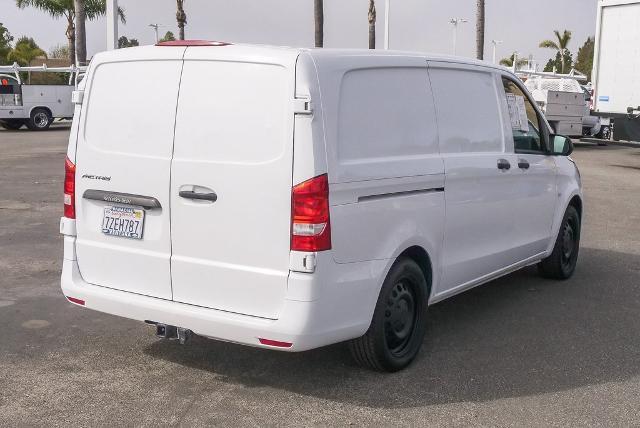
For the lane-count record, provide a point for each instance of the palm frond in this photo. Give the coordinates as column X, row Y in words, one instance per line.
column 550, row 44
column 55, row 8
column 97, row 8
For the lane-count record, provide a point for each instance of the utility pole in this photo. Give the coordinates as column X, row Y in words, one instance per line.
column 495, row 44
column 387, row 8
column 455, row 22
column 112, row 24
column 155, row 27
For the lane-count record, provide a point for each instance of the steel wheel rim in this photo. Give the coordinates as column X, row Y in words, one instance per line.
column 400, row 317
column 41, row 120
column 568, row 243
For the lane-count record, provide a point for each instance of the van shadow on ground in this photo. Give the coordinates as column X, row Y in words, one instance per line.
column 517, row 336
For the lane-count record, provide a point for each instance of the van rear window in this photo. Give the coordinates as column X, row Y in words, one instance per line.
column 232, row 111
column 131, row 107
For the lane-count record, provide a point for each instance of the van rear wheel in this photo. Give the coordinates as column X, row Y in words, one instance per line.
column 40, row 120
column 399, row 320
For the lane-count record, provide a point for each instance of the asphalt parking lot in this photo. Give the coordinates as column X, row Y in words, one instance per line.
column 519, row 351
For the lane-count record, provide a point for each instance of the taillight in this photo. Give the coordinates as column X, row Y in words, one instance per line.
column 69, row 189
column 310, row 225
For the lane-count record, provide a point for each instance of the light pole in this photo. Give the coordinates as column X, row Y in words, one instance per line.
column 495, row 45
column 155, row 27
column 112, row 24
column 455, row 22
column 386, row 24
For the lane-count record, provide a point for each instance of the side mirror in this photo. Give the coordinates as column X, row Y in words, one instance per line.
column 561, row 145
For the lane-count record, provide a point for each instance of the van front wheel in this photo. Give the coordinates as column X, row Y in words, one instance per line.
column 399, row 320
column 562, row 262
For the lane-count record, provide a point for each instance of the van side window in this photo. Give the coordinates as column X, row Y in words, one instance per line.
column 384, row 113
column 469, row 118
column 529, row 140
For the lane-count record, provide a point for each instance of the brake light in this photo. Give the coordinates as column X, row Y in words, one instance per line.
column 69, row 189
column 310, row 225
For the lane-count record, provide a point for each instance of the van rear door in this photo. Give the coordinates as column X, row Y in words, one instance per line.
column 123, row 166
column 231, row 179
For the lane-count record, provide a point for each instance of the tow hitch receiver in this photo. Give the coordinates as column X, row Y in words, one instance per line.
column 171, row 332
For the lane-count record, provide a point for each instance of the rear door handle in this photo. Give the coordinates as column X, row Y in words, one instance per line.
column 189, row 194
column 504, row 164
column 523, row 164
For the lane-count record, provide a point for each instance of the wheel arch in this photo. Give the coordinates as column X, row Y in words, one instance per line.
column 576, row 202
column 43, row 108
column 419, row 255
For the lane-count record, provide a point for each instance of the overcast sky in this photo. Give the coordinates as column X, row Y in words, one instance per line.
column 420, row 25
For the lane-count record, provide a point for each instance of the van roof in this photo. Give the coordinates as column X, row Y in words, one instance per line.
column 285, row 52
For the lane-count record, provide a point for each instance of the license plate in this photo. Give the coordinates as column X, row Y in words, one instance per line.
column 123, row 221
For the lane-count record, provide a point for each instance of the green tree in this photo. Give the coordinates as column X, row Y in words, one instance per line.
column 5, row 44
column 25, row 51
column 557, row 62
column 584, row 59
column 168, row 37
column 372, row 24
column 124, row 42
column 508, row 62
column 181, row 17
column 65, row 8
column 59, row 52
column 560, row 45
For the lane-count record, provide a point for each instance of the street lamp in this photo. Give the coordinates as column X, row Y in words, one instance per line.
column 112, row 24
column 386, row 24
column 455, row 22
column 155, row 27
column 495, row 45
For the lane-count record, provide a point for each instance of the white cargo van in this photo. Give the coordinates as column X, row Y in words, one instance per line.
column 292, row 198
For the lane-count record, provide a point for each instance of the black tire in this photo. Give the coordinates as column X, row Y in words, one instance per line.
column 11, row 124
column 399, row 320
column 40, row 119
column 562, row 262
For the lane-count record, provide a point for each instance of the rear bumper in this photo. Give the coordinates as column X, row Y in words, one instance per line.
column 301, row 323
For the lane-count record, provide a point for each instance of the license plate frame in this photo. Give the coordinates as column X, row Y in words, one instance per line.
column 123, row 222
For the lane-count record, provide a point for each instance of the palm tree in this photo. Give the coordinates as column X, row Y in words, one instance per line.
column 559, row 45
column 508, row 62
column 81, row 33
column 66, row 8
column 372, row 24
column 181, row 17
column 318, row 15
column 480, row 30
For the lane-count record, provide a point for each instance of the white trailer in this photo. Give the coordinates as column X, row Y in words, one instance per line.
column 616, row 67
column 34, row 106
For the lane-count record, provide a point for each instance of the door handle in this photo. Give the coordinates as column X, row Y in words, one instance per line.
column 523, row 164
column 504, row 164
column 189, row 194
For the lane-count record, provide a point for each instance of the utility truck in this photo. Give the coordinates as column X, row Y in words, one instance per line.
column 616, row 67
column 35, row 106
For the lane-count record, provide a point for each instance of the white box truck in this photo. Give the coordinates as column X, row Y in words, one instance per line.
column 34, row 106
column 616, row 67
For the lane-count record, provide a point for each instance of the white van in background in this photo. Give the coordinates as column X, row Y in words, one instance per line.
column 293, row 198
